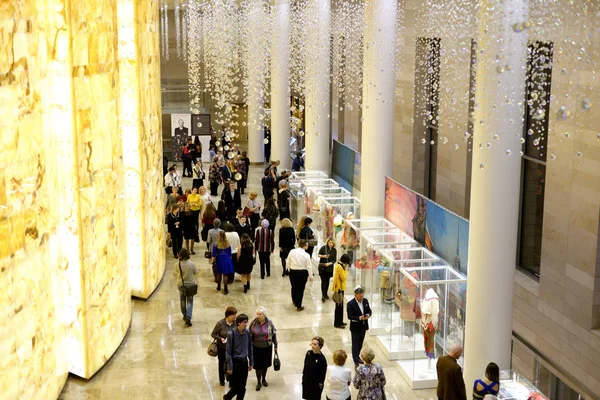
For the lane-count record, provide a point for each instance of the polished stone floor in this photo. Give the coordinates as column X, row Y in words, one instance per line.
column 162, row 359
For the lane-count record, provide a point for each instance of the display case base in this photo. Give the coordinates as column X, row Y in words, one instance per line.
column 417, row 375
column 397, row 347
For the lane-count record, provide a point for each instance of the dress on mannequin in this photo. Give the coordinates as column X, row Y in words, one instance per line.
column 430, row 310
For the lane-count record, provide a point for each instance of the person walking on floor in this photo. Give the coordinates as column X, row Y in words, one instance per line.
column 221, row 258
column 283, row 201
column 175, row 229
column 287, row 240
column 214, row 177
column 340, row 274
column 359, row 313
column 270, row 213
column 185, row 277
column 240, row 358
column 253, row 207
column 189, row 226
column 264, row 338
column 213, row 234
column 219, row 333
column 208, row 218
column 300, row 268
column 233, row 200
column 451, row 385
column 235, row 242
column 244, row 227
column 307, row 234
column 327, row 257
column 369, row 378
column 314, row 371
column 337, row 386
column 199, row 174
column 265, row 244
column 246, row 260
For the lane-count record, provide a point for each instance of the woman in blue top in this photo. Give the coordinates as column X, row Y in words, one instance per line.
column 488, row 385
column 221, row 257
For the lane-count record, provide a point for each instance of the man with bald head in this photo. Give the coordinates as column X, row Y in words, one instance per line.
column 451, row 385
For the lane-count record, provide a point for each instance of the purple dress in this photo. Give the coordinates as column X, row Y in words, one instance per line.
column 223, row 264
column 370, row 382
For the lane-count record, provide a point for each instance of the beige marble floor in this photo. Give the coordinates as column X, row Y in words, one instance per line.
column 161, row 359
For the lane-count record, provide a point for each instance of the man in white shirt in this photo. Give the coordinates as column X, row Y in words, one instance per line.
column 169, row 180
column 177, row 179
column 300, row 267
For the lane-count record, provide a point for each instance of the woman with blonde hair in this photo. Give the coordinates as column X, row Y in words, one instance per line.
column 253, row 207
column 337, row 386
column 221, row 257
column 369, row 378
column 287, row 240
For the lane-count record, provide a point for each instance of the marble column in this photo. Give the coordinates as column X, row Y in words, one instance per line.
column 280, row 84
column 377, row 145
column 317, row 87
column 495, row 186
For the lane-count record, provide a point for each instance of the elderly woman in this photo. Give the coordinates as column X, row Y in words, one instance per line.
column 314, row 371
column 219, row 333
column 369, row 378
column 337, row 386
column 264, row 337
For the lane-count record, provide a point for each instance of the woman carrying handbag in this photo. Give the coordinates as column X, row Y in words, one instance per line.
column 340, row 274
column 187, row 285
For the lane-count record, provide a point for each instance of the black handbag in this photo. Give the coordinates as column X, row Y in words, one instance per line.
column 189, row 290
column 276, row 362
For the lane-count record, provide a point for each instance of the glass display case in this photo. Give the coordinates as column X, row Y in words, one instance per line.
column 429, row 312
column 514, row 386
column 296, row 176
column 353, row 227
column 302, row 204
column 329, row 206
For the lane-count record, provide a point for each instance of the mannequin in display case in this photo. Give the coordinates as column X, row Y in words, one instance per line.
column 385, row 279
column 349, row 240
column 430, row 311
column 408, row 302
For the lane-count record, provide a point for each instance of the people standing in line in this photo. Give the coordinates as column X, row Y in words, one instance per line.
column 451, row 385
column 222, row 211
column 246, row 260
column 287, row 240
column 327, row 257
column 185, row 277
column 208, row 217
column 270, row 213
column 189, row 225
column 314, row 371
column 359, row 313
column 198, row 180
column 234, row 241
column 175, row 229
column 213, row 235
column 307, row 234
column 340, row 274
column 337, row 386
column 240, row 358
column 369, row 378
column 171, row 199
column 214, row 177
column 490, row 384
column 284, row 201
column 170, row 181
column 264, row 338
column 244, row 227
column 219, row 333
column 300, row 268
column 233, row 200
column 254, row 208
column 298, row 162
column 221, row 257
column 264, row 240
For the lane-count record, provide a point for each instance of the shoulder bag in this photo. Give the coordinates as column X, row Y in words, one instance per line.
column 189, row 290
column 212, row 350
column 276, row 362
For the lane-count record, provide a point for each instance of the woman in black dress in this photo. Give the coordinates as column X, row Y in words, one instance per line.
column 315, row 369
column 222, row 211
column 327, row 257
column 287, row 240
column 307, row 234
column 188, row 223
column 246, row 259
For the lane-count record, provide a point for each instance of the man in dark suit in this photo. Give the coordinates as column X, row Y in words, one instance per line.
column 451, row 385
column 232, row 198
column 359, row 313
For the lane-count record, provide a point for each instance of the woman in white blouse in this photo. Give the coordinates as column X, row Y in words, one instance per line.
column 337, row 385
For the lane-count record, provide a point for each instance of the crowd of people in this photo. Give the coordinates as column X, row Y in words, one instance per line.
column 236, row 234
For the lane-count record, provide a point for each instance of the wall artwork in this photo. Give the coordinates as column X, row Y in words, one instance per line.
column 345, row 167
column 181, row 130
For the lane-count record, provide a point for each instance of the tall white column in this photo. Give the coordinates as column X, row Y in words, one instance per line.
column 280, row 86
column 495, row 185
column 317, row 86
column 378, row 104
column 256, row 133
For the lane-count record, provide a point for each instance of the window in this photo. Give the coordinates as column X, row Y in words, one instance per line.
column 537, row 107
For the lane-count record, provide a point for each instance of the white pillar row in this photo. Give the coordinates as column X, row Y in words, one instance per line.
column 317, row 87
column 280, row 84
column 378, row 104
column 495, row 185
column 256, row 133
column 256, row 77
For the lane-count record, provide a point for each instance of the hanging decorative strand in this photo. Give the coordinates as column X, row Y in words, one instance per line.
column 194, row 56
column 184, row 31
column 163, row 38
column 178, row 29
column 166, row 31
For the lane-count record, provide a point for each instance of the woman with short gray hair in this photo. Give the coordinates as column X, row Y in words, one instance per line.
column 263, row 335
column 369, row 378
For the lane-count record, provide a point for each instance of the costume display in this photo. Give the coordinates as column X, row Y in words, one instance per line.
column 430, row 310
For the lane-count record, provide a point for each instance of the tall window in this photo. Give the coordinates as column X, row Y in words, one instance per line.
column 537, row 108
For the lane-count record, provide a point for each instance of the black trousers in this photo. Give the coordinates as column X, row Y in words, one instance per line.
column 358, row 339
column 214, row 188
column 221, row 355
column 187, row 167
column 325, row 277
column 338, row 315
column 239, row 377
column 298, row 279
column 177, row 242
column 265, row 263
